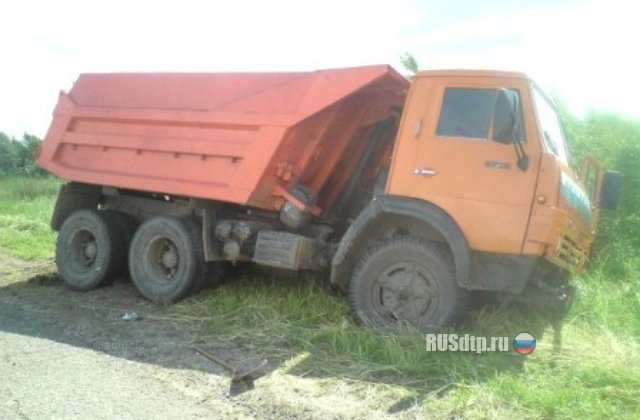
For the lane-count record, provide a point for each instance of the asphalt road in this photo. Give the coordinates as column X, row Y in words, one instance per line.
column 45, row 379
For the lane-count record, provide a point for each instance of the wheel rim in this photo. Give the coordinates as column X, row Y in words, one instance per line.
column 162, row 260
column 406, row 292
column 83, row 249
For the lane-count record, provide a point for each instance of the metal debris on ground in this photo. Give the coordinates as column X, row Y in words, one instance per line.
column 238, row 373
column 131, row 316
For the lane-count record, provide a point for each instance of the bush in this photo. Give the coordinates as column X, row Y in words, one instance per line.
column 17, row 156
column 615, row 142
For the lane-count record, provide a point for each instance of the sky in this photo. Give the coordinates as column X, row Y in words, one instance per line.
column 582, row 51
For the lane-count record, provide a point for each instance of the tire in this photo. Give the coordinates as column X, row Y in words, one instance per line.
column 215, row 274
column 166, row 260
column 91, row 249
column 405, row 281
column 128, row 225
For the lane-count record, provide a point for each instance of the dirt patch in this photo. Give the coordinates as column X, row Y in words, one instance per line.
column 13, row 269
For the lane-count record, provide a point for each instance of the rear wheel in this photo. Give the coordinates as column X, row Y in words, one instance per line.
column 215, row 274
column 128, row 225
column 405, row 280
column 166, row 259
column 90, row 250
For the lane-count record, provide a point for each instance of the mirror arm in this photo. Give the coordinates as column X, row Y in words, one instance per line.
column 523, row 159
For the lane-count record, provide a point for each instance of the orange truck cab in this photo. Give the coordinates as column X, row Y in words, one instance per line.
column 407, row 195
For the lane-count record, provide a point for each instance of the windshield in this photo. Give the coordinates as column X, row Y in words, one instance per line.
column 550, row 127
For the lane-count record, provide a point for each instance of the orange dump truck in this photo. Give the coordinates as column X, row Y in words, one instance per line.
column 407, row 194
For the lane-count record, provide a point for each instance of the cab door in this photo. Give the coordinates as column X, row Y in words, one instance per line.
column 445, row 155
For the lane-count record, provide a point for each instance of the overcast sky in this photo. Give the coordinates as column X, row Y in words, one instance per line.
column 585, row 51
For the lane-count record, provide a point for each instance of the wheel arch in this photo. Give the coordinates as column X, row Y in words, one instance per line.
column 388, row 215
column 71, row 197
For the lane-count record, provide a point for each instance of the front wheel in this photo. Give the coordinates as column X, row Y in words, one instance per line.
column 405, row 280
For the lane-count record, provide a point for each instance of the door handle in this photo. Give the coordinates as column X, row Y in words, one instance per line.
column 424, row 171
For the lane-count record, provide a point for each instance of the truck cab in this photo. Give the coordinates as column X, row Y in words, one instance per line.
column 481, row 173
column 489, row 149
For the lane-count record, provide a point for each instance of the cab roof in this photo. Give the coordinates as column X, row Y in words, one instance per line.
column 471, row 73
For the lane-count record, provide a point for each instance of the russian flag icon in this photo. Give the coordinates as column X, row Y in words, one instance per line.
column 524, row 343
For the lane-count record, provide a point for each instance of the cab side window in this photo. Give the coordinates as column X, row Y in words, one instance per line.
column 467, row 112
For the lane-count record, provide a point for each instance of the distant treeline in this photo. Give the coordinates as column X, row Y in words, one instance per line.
column 17, row 155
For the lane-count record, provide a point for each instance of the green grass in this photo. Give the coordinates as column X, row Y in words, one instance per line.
column 25, row 211
column 594, row 372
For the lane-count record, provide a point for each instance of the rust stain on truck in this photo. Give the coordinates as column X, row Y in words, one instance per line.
column 406, row 194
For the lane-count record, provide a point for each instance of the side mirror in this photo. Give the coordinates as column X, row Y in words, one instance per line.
column 610, row 190
column 507, row 124
column 507, row 118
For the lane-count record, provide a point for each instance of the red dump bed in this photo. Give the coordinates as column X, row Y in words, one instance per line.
column 243, row 138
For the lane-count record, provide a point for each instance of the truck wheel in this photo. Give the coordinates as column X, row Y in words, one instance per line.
column 90, row 250
column 405, row 280
column 215, row 274
column 127, row 224
column 166, row 259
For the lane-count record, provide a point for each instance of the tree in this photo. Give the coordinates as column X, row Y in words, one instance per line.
column 17, row 156
column 410, row 64
column 7, row 159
